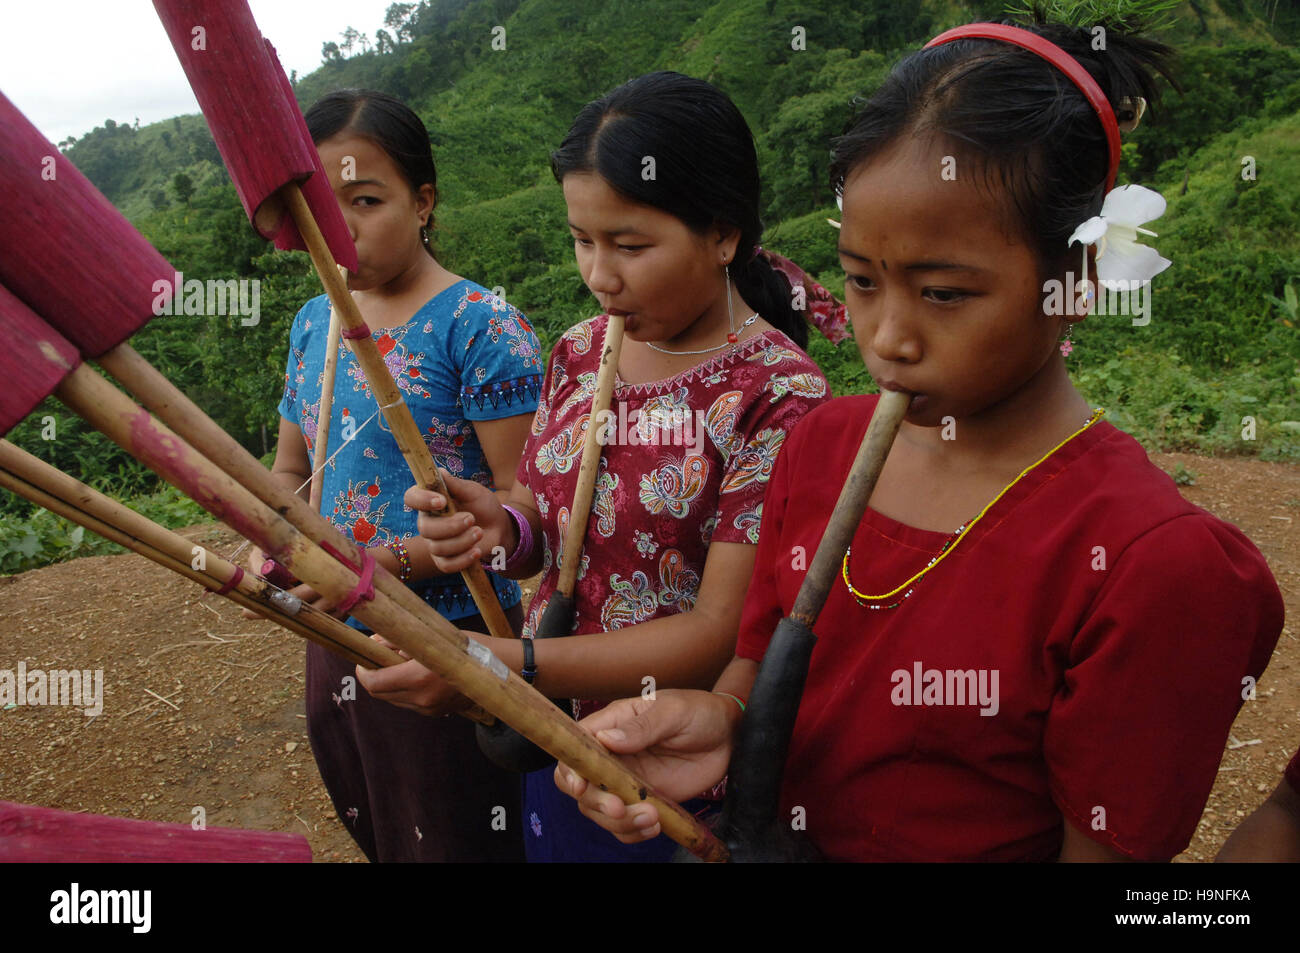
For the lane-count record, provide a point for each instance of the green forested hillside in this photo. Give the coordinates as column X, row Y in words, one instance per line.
column 1221, row 344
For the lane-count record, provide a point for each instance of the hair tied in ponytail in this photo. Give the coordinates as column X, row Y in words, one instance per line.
column 820, row 308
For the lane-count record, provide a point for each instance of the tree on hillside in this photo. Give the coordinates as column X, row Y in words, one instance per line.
column 183, row 186
column 400, row 18
column 329, row 53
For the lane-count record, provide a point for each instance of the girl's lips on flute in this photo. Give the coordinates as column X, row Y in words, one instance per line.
column 918, row 400
column 629, row 326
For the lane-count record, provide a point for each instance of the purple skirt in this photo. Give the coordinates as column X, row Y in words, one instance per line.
column 409, row 788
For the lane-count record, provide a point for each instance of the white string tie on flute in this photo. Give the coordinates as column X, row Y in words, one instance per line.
column 327, row 462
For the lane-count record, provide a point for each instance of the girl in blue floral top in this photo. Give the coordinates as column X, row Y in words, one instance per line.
column 469, row 367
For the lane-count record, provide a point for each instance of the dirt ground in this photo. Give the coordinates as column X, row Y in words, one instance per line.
column 204, row 709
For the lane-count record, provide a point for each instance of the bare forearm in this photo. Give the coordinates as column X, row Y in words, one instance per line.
column 681, row 651
column 738, row 678
column 293, row 480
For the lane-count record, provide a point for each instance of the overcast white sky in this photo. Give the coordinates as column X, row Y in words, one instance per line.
column 71, row 64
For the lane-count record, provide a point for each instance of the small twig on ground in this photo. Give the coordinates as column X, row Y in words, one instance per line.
column 164, row 700
column 151, row 704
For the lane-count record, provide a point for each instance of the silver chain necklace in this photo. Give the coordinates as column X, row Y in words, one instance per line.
column 708, row 350
column 733, row 336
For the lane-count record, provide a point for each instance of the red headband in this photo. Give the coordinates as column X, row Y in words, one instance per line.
column 1062, row 60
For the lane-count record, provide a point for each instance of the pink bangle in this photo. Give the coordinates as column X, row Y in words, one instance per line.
column 524, row 549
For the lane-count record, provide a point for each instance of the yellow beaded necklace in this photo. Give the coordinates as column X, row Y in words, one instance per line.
column 950, row 544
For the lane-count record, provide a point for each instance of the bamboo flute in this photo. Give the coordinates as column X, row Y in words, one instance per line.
column 322, row 452
column 165, row 401
column 465, row 664
column 579, row 513
column 59, row 493
column 749, row 820
column 503, row 745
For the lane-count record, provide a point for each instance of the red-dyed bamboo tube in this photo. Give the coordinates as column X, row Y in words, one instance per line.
column 41, row 835
column 254, row 118
column 65, row 251
column 33, row 360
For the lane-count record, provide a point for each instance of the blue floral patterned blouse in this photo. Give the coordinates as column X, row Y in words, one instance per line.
column 465, row 356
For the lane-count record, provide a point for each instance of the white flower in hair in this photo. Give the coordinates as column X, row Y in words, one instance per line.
column 1115, row 232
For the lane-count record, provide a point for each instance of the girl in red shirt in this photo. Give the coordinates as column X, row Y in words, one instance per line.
column 1036, row 647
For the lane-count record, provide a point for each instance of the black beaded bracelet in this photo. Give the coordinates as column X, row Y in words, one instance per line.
column 530, row 664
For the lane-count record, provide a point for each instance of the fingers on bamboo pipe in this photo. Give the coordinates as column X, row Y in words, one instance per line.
column 463, row 663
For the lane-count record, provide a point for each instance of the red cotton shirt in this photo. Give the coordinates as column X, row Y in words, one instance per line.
column 1109, row 623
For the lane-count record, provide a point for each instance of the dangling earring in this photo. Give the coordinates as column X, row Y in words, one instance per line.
column 424, row 235
column 732, row 337
column 1067, row 346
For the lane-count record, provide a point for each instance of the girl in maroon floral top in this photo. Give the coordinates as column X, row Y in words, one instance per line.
column 661, row 182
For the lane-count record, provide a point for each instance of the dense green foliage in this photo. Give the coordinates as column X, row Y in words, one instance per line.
column 1221, row 344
